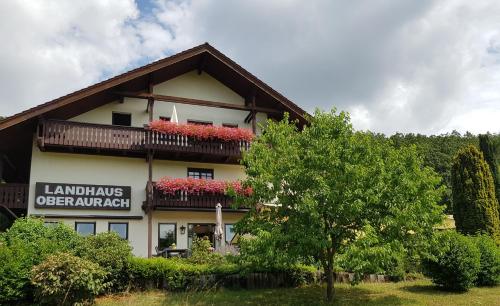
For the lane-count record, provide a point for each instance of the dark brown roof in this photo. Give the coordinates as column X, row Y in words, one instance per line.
column 214, row 62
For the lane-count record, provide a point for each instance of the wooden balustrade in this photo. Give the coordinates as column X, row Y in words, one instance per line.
column 14, row 196
column 90, row 138
column 183, row 201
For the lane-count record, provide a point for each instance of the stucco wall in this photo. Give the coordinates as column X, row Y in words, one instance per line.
column 125, row 171
column 189, row 85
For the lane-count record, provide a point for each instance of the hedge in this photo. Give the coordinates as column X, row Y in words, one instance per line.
column 179, row 274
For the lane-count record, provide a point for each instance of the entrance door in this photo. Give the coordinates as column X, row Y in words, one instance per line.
column 201, row 230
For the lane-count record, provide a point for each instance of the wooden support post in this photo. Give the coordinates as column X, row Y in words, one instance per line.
column 254, row 117
column 149, row 200
column 151, row 102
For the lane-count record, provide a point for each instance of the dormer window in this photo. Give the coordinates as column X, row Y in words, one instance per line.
column 123, row 119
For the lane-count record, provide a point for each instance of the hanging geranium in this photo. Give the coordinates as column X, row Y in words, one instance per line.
column 192, row 186
column 202, row 131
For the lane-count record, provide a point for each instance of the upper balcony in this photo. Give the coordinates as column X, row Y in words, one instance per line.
column 89, row 138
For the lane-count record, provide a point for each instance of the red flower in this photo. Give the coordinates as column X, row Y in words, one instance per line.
column 199, row 186
column 202, row 131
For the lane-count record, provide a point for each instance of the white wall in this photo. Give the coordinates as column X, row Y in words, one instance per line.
column 189, row 85
column 126, row 171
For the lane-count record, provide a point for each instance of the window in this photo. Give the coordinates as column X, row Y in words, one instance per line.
column 199, row 173
column 51, row 224
column 199, row 122
column 166, row 235
column 123, row 119
column 202, row 231
column 230, row 125
column 229, row 233
column 120, row 228
column 85, row 228
column 163, row 118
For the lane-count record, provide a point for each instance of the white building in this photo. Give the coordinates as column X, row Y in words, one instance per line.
column 89, row 158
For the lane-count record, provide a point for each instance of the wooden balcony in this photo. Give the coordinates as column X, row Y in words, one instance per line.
column 14, row 196
column 199, row 202
column 68, row 136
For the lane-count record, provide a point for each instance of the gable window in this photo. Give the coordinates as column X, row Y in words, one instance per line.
column 199, row 122
column 163, row 118
column 123, row 119
column 85, row 228
column 199, row 173
column 230, row 125
column 120, row 228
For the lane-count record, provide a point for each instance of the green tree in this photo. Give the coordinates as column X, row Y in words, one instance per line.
column 438, row 152
column 475, row 207
column 327, row 182
column 490, row 156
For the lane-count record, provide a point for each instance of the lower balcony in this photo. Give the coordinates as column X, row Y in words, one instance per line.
column 14, row 197
column 197, row 202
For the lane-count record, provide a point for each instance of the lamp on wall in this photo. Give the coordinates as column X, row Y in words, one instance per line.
column 183, row 230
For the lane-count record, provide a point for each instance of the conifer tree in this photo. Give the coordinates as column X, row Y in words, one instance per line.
column 490, row 156
column 475, row 207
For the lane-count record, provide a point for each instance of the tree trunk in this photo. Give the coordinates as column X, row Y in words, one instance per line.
column 329, row 283
column 330, row 290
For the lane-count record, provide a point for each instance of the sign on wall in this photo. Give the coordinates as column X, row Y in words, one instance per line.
column 80, row 196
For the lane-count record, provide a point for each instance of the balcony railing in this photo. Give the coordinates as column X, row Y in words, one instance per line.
column 14, row 196
column 77, row 135
column 99, row 138
column 179, row 143
column 182, row 201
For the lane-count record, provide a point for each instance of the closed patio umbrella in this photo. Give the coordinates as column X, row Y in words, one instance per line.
column 219, row 233
column 173, row 118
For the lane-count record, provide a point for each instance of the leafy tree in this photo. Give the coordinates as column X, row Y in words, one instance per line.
column 475, row 207
column 327, row 182
column 437, row 152
column 490, row 156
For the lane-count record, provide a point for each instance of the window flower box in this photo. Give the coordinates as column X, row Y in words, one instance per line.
column 202, row 132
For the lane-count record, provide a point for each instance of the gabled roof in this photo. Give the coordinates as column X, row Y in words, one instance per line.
column 203, row 57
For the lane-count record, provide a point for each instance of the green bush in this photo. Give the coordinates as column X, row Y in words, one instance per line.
column 489, row 274
column 64, row 279
column 14, row 273
column 27, row 243
column 202, row 252
column 454, row 262
column 181, row 274
column 112, row 253
column 369, row 255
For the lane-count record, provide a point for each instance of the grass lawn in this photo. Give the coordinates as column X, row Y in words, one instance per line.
column 420, row 292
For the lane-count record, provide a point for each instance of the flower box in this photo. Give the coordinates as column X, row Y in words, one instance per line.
column 202, row 132
column 192, row 186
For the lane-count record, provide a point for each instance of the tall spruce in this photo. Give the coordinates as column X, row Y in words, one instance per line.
column 475, row 207
column 490, row 156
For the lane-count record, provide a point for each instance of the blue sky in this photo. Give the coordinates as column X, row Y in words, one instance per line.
column 409, row 66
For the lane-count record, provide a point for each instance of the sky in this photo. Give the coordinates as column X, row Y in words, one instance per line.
column 424, row 66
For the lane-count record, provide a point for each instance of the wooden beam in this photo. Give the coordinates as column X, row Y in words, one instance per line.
column 254, row 117
column 190, row 101
column 202, row 63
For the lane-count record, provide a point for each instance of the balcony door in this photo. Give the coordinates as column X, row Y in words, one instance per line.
column 202, row 231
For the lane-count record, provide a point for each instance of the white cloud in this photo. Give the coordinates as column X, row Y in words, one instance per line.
column 421, row 66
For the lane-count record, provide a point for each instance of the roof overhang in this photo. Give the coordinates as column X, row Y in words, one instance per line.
column 203, row 57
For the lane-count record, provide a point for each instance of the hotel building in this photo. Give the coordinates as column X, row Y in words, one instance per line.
column 91, row 158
